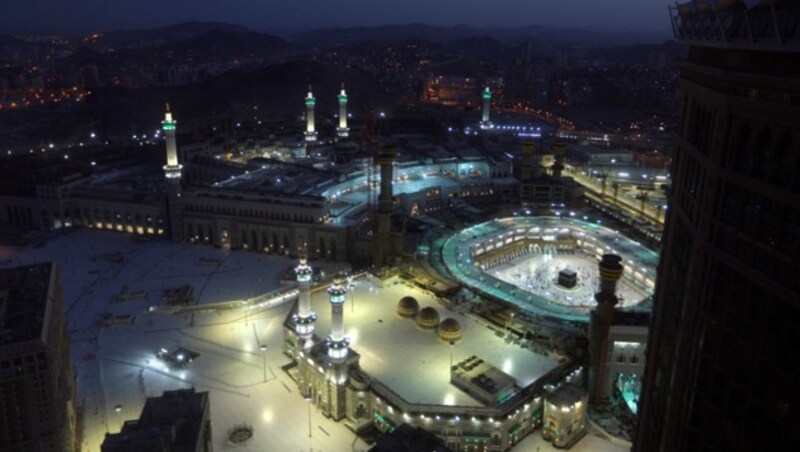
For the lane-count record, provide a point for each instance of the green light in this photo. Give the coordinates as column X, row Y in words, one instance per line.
column 168, row 126
column 342, row 99
column 310, row 101
column 487, row 95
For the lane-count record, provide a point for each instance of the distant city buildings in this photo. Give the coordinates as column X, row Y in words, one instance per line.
column 38, row 409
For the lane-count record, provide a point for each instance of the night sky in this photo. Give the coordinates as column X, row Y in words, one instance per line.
column 19, row 16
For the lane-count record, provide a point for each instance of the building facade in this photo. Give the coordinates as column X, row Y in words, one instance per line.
column 176, row 421
column 37, row 387
column 565, row 416
column 264, row 205
column 721, row 369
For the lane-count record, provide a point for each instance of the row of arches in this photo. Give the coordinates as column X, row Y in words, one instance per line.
column 269, row 240
column 266, row 214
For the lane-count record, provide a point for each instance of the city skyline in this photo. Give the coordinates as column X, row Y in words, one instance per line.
column 42, row 16
column 367, row 226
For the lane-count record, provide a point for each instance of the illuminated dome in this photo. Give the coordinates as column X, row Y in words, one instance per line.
column 450, row 330
column 407, row 307
column 428, row 318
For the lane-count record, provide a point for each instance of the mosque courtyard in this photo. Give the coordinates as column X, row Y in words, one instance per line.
column 108, row 275
column 538, row 274
column 388, row 342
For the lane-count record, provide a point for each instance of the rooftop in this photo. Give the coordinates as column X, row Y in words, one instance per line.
column 566, row 395
column 23, row 302
column 176, row 418
column 762, row 24
column 376, row 330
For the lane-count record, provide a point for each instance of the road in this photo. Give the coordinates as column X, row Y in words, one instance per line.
column 628, row 204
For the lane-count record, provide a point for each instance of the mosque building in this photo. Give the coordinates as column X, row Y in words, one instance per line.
column 272, row 206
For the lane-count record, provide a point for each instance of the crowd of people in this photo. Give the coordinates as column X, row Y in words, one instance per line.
column 539, row 276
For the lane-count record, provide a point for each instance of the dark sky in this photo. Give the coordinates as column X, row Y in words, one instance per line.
column 81, row 15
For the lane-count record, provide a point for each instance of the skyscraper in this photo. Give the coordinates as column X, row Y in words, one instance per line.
column 722, row 361
column 37, row 389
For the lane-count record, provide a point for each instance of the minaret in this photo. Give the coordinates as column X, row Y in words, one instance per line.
column 559, row 149
column 532, row 167
column 336, row 342
column 600, row 321
column 172, row 170
column 305, row 318
column 381, row 241
column 172, row 173
column 487, row 107
column 311, row 133
column 342, row 131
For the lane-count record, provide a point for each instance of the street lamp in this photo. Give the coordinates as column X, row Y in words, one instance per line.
column 263, row 348
column 308, row 402
column 117, row 409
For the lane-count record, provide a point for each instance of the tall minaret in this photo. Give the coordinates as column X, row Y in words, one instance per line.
column 342, row 131
column 172, row 173
column 311, row 133
column 381, row 241
column 600, row 321
column 532, row 168
column 559, row 150
column 337, row 343
column 487, row 107
column 172, row 170
column 305, row 318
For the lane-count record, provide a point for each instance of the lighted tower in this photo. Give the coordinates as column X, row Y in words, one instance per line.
column 487, row 107
column 381, row 242
column 311, row 133
column 600, row 321
column 336, row 342
column 305, row 318
column 342, row 131
column 172, row 170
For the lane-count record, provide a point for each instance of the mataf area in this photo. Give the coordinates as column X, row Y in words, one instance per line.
column 517, row 260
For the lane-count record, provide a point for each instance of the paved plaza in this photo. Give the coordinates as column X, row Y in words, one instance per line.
column 388, row 342
column 116, row 366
